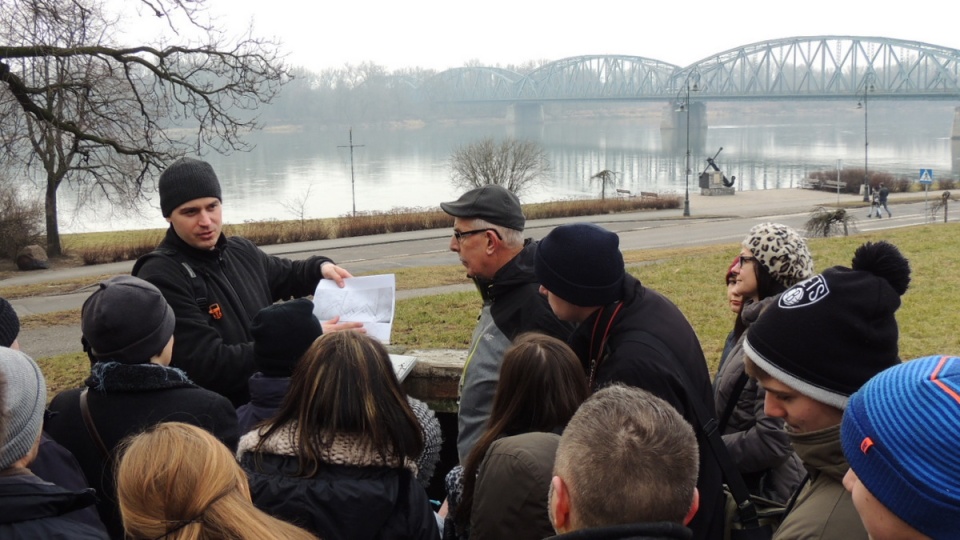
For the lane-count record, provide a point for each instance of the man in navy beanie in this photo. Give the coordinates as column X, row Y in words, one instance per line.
column 630, row 334
column 811, row 350
column 217, row 284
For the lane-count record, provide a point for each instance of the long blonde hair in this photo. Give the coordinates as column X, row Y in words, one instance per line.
column 178, row 482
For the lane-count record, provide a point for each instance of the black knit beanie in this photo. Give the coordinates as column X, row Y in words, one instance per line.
column 185, row 180
column 826, row 336
column 9, row 324
column 582, row 264
column 281, row 334
column 126, row 320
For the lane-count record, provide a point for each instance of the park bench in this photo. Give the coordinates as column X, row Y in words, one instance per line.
column 649, row 195
column 624, row 193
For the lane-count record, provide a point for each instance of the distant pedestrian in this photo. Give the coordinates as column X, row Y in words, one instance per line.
column 874, row 204
column 882, row 200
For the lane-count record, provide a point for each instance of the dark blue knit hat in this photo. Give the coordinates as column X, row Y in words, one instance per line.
column 281, row 334
column 900, row 434
column 582, row 264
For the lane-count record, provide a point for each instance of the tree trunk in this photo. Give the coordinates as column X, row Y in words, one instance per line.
column 53, row 227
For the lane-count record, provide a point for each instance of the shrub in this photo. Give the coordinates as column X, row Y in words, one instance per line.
column 824, row 222
column 21, row 220
column 947, row 183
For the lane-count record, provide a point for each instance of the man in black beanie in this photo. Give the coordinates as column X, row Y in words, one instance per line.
column 630, row 334
column 217, row 284
column 818, row 344
column 9, row 325
column 488, row 237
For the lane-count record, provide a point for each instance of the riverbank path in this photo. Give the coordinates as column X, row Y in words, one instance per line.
column 713, row 220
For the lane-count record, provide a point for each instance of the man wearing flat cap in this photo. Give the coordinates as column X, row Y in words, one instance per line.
column 216, row 284
column 488, row 237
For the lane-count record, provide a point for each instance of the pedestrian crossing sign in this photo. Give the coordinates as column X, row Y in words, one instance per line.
column 926, row 176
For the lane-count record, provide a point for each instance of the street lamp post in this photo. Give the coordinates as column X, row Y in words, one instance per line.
column 685, row 106
column 686, row 189
column 867, row 88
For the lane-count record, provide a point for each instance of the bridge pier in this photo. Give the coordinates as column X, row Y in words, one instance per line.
column 955, row 143
column 673, row 128
column 525, row 113
column 955, row 134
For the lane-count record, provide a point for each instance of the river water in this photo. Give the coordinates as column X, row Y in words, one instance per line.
column 308, row 171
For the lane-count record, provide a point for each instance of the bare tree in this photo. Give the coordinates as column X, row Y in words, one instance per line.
column 605, row 177
column 514, row 164
column 103, row 116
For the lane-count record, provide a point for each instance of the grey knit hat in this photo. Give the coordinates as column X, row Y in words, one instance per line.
column 23, row 405
column 782, row 251
column 9, row 324
column 185, row 180
column 126, row 320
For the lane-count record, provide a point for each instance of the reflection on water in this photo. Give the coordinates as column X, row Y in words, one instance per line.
column 408, row 168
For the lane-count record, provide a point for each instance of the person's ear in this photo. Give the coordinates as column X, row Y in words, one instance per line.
column 558, row 505
column 493, row 241
column 694, row 506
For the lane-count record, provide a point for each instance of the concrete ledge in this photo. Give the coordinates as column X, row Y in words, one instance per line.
column 435, row 379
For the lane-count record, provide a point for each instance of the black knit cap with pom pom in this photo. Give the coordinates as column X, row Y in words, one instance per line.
column 826, row 336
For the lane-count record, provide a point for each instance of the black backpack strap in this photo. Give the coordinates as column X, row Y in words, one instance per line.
column 196, row 281
column 92, row 427
column 732, row 401
column 708, row 425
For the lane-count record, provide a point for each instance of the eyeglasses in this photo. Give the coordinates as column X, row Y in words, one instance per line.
column 743, row 259
column 461, row 235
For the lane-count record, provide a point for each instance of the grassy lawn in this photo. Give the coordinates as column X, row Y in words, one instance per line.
column 692, row 278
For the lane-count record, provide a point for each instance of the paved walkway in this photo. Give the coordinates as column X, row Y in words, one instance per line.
column 747, row 204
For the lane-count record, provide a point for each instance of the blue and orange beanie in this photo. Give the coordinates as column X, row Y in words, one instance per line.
column 900, row 434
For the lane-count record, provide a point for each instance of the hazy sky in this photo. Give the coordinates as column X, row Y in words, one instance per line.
column 441, row 34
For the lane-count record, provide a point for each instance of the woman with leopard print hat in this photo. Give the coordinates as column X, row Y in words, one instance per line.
column 772, row 258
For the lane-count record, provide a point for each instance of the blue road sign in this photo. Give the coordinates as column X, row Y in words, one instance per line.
column 926, row 176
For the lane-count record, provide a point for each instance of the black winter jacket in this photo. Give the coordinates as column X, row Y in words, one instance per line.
column 630, row 358
column 119, row 413
column 342, row 502
column 633, row 531
column 31, row 508
column 214, row 346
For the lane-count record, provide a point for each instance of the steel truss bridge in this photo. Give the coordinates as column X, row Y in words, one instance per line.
column 815, row 68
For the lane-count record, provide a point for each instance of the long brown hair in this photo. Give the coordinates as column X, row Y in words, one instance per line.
column 345, row 383
column 177, row 481
column 541, row 385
